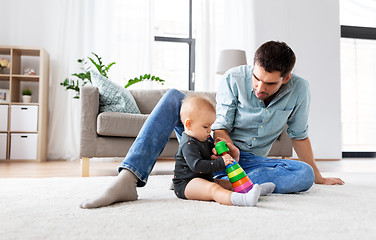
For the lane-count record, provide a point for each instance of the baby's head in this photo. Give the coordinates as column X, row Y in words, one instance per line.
column 197, row 114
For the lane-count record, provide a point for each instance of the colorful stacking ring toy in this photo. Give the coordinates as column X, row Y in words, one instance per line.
column 238, row 178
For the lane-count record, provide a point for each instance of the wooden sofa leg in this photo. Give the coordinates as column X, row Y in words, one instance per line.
column 85, row 166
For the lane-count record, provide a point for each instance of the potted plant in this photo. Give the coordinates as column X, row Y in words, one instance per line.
column 82, row 78
column 26, row 95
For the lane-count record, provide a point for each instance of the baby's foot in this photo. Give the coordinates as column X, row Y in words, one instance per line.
column 267, row 188
column 253, row 196
column 249, row 199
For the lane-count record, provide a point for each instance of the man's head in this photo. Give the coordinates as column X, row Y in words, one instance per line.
column 273, row 63
column 275, row 56
column 197, row 114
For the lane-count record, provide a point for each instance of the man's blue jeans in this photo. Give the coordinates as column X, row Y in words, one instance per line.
column 288, row 175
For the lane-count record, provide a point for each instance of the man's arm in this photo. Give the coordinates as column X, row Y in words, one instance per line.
column 304, row 151
column 222, row 134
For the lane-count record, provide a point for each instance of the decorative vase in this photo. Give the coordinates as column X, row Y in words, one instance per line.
column 26, row 98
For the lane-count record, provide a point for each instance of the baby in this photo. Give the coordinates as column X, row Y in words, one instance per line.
column 193, row 174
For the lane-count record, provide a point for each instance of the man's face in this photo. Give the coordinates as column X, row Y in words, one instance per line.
column 265, row 84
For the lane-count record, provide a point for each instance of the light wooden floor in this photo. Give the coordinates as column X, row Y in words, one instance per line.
column 109, row 168
column 70, row 169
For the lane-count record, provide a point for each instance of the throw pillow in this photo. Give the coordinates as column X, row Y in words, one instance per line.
column 112, row 96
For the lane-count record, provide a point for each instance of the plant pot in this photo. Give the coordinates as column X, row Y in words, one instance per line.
column 26, row 99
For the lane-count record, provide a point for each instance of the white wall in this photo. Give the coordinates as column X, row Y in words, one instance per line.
column 311, row 28
column 29, row 23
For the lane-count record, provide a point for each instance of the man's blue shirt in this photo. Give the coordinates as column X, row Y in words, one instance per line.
column 253, row 127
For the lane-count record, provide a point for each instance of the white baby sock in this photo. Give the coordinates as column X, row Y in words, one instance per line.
column 248, row 199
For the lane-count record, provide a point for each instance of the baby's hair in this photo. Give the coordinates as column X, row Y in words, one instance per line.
column 190, row 103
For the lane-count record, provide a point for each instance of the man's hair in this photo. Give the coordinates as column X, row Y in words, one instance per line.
column 194, row 103
column 275, row 56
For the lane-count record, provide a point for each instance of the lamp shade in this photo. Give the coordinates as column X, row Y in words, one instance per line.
column 230, row 58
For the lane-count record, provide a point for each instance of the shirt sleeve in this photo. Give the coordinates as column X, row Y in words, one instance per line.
column 298, row 120
column 227, row 101
column 196, row 163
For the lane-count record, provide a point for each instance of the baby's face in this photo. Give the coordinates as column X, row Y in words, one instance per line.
column 201, row 126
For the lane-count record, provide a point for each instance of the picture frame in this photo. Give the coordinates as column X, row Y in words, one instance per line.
column 4, row 95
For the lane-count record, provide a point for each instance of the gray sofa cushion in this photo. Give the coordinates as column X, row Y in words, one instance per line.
column 127, row 124
column 120, row 124
column 146, row 100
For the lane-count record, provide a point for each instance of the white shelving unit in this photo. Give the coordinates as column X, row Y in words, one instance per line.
column 23, row 126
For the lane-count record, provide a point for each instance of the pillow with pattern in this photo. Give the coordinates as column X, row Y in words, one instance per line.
column 112, row 96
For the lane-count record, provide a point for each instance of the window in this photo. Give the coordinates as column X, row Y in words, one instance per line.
column 174, row 47
column 358, row 85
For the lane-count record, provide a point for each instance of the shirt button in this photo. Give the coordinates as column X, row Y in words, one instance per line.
column 261, row 126
column 266, row 110
column 254, row 139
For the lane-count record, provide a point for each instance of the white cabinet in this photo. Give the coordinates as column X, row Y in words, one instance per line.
column 23, row 146
column 23, row 118
column 23, row 126
column 3, row 145
column 3, row 118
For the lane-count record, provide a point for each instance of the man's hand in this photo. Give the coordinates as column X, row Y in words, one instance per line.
column 234, row 151
column 329, row 181
column 304, row 151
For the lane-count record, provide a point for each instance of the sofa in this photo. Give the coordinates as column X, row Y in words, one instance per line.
column 111, row 134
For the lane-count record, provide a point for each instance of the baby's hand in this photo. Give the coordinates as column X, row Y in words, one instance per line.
column 228, row 159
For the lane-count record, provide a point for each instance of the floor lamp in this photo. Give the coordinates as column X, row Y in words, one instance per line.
column 230, row 58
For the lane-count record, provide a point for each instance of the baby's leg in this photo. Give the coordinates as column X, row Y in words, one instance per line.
column 201, row 189
column 226, row 184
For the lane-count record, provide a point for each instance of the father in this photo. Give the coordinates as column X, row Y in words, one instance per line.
column 253, row 107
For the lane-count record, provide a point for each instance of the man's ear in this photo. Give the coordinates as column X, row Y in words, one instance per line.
column 287, row 78
column 188, row 123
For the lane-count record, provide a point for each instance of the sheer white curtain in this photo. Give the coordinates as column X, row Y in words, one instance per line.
column 218, row 25
column 117, row 31
column 120, row 31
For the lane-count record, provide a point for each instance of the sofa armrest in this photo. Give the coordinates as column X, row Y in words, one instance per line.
column 282, row 147
column 89, row 111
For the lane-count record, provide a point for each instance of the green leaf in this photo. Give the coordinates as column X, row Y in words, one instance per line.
column 81, row 79
column 109, row 65
column 142, row 78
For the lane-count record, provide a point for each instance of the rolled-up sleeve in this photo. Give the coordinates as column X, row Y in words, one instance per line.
column 226, row 99
column 298, row 121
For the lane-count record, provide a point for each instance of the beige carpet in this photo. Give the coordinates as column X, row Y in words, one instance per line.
column 48, row 209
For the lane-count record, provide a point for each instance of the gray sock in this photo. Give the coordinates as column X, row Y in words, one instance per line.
column 249, row 199
column 267, row 188
column 122, row 189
